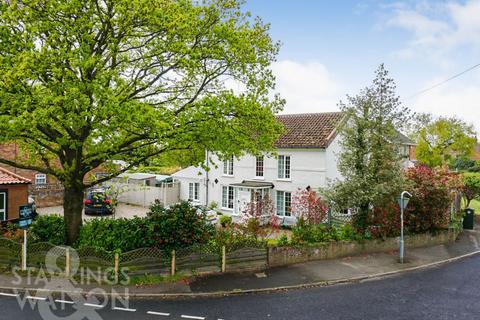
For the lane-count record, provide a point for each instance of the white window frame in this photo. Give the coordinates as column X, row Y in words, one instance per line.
column 282, row 203
column 228, row 167
column 284, row 171
column 42, row 177
column 227, row 203
column 194, row 191
column 258, row 160
column 3, row 211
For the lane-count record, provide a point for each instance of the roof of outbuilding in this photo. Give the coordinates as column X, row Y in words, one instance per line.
column 8, row 177
column 308, row 130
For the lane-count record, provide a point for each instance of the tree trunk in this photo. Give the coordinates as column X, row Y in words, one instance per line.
column 72, row 211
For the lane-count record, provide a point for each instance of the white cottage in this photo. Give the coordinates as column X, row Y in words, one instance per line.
column 306, row 158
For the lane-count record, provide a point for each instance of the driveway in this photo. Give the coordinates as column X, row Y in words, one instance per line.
column 123, row 211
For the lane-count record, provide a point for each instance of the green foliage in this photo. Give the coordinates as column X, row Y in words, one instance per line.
column 179, row 226
column 471, row 189
column 225, row 221
column 116, row 234
column 213, row 205
column 461, row 164
column 304, row 233
column 283, row 241
column 48, row 228
column 441, row 140
column 85, row 82
column 369, row 161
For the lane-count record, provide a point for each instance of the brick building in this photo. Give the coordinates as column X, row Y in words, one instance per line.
column 13, row 194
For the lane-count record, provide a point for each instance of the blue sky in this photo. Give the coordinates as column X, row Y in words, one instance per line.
column 331, row 48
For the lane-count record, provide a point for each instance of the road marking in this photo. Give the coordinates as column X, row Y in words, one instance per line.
column 124, row 309
column 93, row 305
column 64, row 301
column 8, row 294
column 192, row 317
column 158, row 313
column 36, row 298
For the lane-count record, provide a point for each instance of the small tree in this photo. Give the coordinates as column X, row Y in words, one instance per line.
column 369, row 161
column 471, row 189
column 309, row 206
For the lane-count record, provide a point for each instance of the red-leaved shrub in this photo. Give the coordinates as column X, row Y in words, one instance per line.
column 385, row 221
column 429, row 208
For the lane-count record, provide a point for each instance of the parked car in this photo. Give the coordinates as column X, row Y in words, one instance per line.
column 98, row 202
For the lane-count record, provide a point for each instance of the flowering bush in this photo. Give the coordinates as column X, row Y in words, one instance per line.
column 259, row 219
column 307, row 205
column 429, row 208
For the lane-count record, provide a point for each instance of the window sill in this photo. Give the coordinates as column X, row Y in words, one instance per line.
column 259, row 178
column 285, row 180
column 226, row 209
column 227, row 175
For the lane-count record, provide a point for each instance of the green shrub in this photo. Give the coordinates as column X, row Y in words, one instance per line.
column 179, row 226
column 116, row 234
column 226, row 221
column 309, row 233
column 348, row 233
column 283, row 241
column 48, row 228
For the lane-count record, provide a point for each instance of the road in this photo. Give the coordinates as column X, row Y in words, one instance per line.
column 447, row 292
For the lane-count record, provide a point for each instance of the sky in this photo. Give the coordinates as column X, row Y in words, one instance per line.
column 332, row 48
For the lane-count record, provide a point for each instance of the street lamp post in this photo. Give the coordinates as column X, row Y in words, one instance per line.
column 402, row 201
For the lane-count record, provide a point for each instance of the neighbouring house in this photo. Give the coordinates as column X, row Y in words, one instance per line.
column 307, row 156
column 13, row 194
column 44, row 189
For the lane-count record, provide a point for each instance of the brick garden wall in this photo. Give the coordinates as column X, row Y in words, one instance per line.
column 49, row 195
column 279, row 256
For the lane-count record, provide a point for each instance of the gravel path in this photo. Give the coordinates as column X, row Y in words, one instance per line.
column 123, row 211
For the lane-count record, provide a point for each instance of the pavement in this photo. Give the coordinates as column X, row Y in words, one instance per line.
column 123, row 211
column 315, row 273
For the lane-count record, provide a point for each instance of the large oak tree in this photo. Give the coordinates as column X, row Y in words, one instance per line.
column 84, row 82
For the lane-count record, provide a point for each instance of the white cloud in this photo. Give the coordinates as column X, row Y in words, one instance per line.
column 459, row 101
column 438, row 28
column 307, row 87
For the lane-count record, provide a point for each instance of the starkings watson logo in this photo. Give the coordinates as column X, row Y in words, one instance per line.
column 60, row 296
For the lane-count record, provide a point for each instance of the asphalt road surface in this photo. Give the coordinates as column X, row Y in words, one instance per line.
column 448, row 292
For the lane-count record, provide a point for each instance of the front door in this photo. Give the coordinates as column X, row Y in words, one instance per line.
column 3, row 206
column 243, row 200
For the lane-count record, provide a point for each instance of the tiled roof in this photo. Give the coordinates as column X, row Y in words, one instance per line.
column 308, row 130
column 7, row 177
